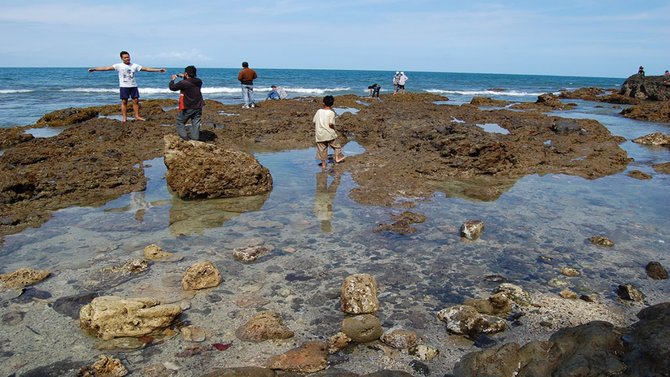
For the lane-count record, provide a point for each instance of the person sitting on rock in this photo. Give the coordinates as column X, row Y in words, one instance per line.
column 640, row 71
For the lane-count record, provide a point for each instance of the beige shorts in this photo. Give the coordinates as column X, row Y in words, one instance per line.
column 322, row 148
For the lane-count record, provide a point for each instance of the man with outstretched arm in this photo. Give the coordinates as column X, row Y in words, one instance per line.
column 127, row 82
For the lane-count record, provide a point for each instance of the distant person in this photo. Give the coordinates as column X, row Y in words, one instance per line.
column 396, row 78
column 127, row 83
column 246, row 78
column 401, row 82
column 374, row 90
column 667, row 73
column 640, row 71
column 324, row 127
column 190, row 103
column 277, row 93
column 666, row 76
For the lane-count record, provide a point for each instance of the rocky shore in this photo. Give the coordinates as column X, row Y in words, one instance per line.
column 186, row 313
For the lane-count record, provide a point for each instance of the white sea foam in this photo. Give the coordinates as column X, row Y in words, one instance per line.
column 511, row 93
column 12, row 91
column 211, row 90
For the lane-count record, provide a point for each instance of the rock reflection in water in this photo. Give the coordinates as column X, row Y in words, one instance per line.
column 189, row 217
column 484, row 189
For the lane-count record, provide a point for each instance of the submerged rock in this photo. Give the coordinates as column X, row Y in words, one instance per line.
column 264, row 326
column 629, row 292
column 472, row 229
column 399, row 338
column 23, row 277
column 656, row 271
column 309, row 358
column 466, row 320
column 110, row 317
column 601, row 241
column 200, row 276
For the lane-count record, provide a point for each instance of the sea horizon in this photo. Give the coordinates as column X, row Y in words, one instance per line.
column 40, row 90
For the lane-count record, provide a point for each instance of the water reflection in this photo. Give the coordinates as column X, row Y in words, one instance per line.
column 478, row 188
column 188, row 217
column 323, row 198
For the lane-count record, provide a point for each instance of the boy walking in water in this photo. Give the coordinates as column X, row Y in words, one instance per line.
column 127, row 83
column 324, row 127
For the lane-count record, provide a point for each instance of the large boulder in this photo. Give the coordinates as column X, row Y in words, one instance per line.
column 593, row 349
column 655, row 88
column 202, row 170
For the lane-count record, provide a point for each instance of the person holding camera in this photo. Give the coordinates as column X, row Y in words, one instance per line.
column 190, row 103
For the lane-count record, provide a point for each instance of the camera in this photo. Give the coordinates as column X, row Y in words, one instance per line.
column 180, row 75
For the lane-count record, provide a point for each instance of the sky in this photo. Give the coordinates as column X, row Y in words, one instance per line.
column 556, row 37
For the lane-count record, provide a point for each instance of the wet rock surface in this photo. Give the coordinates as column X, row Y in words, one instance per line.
column 96, row 160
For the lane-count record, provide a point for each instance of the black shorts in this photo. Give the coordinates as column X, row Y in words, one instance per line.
column 129, row 93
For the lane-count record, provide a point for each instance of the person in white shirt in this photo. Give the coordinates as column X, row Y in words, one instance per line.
column 324, row 127
column 127, row 82
column 402, row 79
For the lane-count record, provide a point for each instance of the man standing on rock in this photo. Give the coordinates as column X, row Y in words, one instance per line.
column 246, row 78
column 190, row 103
column 127, row 83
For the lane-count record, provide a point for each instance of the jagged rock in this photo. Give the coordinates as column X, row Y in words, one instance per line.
column 201, row 170
column 486, row 101
column 358, row 294
column 656, row 138
column 569, row 271
column 362, row 328
column 601, row 241
column 66, row 117
column 105, row 366
column 399, row 338
column 154, row 252
column 656, row 271
column 264, row 326
column 424, row 352
column 200, row 276
column 593, row 349
column 465, row 320
column 110, row 317
column 549, row 99
column 568, row 294
column 23, row 277
column 497, row 303
column 515, row 293
column 338, row 342
column 647, row 341
column 629, row 292
column 472, row 229
column 655, row 88
column 637, row 174
column 663, row 167
column 250, row 253
column 310, row 357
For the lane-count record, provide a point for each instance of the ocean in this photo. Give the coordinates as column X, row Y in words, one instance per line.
column 318, row 237
column 28, row 93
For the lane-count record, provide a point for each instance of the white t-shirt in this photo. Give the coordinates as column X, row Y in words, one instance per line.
column 127, row 74
column 402, row 80
column 322, row 121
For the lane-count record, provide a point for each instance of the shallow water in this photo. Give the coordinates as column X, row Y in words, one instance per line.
column 319, row 236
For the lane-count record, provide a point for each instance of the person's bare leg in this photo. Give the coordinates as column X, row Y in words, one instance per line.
column 339, row 156
column 136, row 109
column 323, row 164
column 124, row 110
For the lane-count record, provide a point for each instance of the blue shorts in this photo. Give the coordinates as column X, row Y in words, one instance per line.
column 129, row 93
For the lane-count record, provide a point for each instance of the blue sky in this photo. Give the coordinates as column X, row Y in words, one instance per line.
column 564, row 37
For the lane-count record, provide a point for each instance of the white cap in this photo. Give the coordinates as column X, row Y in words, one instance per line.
column 397, row 72
column 402, row 73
